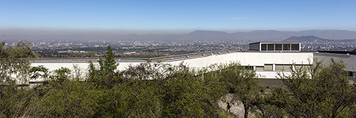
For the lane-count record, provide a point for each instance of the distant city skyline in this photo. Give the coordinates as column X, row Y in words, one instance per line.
column 175, row 16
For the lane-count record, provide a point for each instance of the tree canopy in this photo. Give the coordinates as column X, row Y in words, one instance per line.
column 319, row 90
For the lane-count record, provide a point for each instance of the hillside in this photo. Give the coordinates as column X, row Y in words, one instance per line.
column 315, row 39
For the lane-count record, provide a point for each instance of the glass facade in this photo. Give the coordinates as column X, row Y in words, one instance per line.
column 283, row 67
column 286, row 47
column 270, row 47
column 280, row 47
column 295, row 47
column 259, row 68
column 264, row 47
column 280, row 67
column 268, row 67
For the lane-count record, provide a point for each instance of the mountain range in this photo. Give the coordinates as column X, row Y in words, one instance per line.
column 314, row 39
column 256, row 35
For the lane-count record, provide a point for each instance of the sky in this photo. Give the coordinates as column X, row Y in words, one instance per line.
column 177, row 15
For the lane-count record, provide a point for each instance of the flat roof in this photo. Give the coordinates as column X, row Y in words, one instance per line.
column 169, row 58
column 275, row 43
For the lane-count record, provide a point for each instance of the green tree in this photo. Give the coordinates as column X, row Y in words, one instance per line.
column 243, row 84
column 71, row 99
column 39, row 71
column 163, row 90
column 109, row 63
column 13, row 62
column 105, row 74
column 321, row 90
column 13, row 71
column 61, row 75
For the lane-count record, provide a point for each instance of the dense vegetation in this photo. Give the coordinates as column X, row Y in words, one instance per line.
column 163, row 90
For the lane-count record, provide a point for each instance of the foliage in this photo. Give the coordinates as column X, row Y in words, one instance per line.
column 164, row 90
column 73, row 99
column 243, row 84
column 13, row 62
column 146, row 90
column 37, row 72
column 176, row 91
column 321, row 90
column 13, row 70
column 104, row 76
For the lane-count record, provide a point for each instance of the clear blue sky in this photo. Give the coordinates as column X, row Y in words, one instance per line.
column 179, row 14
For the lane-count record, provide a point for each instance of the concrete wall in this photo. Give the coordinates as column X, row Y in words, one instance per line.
column 244, row 58
column 255, row 46
column 259, row 59
column 349, row 60
column 84, row 66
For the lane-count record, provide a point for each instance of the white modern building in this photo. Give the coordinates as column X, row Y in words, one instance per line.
column 267, row 58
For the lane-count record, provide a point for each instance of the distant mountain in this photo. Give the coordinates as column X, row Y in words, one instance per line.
column 304, row 39
column 206, row 35
column 267, row 35
column 264, row 35
column 314, row 39
column 256, row 35
column 329, row 34
column 274, row 35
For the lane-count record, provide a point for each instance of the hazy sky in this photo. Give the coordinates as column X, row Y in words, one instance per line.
column 180, row 15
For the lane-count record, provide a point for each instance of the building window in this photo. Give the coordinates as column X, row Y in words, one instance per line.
column 270, row 47
column 248, row 67
column 287, row 67
column 268, row 67
column 295, row 47
column 259, row 68
column 286, row 47
column 283, row 67
column 279, row 67
column 278, row 47
column 263, row 47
